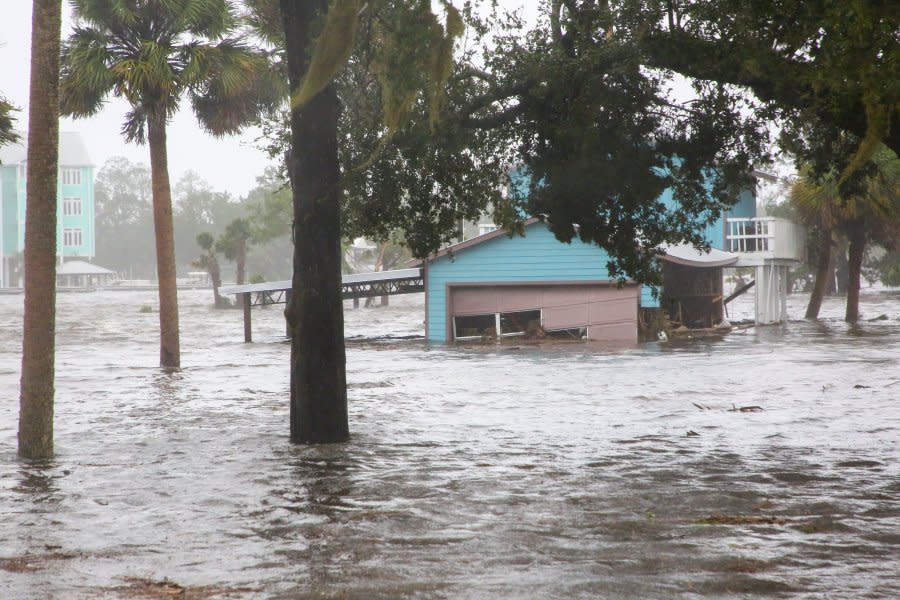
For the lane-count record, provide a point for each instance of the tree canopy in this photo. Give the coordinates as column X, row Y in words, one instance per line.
column 828, row 60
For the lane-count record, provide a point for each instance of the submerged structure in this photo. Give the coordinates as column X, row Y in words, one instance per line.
column 496, row 286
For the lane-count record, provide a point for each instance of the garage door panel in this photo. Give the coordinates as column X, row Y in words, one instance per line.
column 475, row 300
column 519, row 298
column 622, row 309
column 608, row 312
column 566, row 317
column 611, row 292
column 614, row 332
column 564, row 295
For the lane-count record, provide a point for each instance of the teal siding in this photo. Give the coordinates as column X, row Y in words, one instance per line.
column 84, row 221
column 715, row 233
column 538, row 256
column 12, row 191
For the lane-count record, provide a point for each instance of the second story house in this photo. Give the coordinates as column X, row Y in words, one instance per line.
column 75, row 232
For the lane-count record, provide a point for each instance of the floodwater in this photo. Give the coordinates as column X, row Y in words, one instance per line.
column 532, row 472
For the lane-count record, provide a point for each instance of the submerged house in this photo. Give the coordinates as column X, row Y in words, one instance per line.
column 496, row 286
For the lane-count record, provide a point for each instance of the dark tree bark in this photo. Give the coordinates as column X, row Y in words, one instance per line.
column 856, row 234
column 823, row 274
column 169, row 346
column 315, row 313
column 36, row 388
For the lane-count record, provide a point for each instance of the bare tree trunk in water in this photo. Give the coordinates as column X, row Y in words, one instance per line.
column 315, row 313
column 36, row 388
column 169, row 346
column 856, row 234
column 823, row 273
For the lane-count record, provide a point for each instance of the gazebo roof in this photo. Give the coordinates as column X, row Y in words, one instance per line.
column 80, row 267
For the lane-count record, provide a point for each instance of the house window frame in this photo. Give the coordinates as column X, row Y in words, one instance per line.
column 70, row 203
column 71, row 176
column 72, row 235
column 497, row 326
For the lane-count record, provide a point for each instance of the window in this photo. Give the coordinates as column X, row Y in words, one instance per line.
column 475, row 326
column 519, row 323
column 484, row 228
column 71, row 176
column 71, row 237
column 71, row 206
column 494, row 325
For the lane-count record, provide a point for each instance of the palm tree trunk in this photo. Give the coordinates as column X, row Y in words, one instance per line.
column 823, row 274
column 856, row 234
column 315, row 313
column 240, row 262
column 169, row 348
column 36, row 388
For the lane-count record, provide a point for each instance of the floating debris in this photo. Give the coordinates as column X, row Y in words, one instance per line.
column 745, row 409
column 722, row 519
column 692, row 433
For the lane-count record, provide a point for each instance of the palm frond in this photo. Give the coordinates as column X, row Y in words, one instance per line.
column 85, row 76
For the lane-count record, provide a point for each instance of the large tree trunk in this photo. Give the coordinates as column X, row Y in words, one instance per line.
column 856, row 234
column 823, row 274
column 169, row 346
column 39, row 345
column 315, row 313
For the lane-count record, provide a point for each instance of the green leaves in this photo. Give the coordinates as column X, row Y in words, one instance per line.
column 332, row 50
column 153, row 52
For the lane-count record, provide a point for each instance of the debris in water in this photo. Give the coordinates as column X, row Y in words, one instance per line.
column 753, row 408
column 701, row 406
column 722, row 519
column 692, row 433
column 860, row 386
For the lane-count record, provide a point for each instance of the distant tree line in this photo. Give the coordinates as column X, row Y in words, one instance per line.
column 124, row 223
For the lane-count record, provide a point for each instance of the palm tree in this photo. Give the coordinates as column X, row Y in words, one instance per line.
column 38, row 345
column 152, row 53
column 209, row 263
column 7, row 134
column 869, row 212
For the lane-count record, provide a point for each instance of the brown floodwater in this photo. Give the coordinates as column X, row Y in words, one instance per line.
column 550, row 471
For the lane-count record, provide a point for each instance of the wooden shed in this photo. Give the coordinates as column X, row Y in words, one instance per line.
column 496, row 286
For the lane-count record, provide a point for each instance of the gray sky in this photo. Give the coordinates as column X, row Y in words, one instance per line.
column 230, row 164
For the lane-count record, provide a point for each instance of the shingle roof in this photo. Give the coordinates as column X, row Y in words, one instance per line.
column 72, row 151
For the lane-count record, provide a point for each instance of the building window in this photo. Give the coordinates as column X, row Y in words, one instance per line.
column 496, row 325
column 71, row 237
column 71, row 176
column 71, row 206
column 484, row 228
column 471, row 327
column 519, row 323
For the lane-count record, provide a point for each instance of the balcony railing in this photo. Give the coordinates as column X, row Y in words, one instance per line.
column 766, row 237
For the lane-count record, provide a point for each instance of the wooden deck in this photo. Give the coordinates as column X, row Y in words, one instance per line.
column 353, row 286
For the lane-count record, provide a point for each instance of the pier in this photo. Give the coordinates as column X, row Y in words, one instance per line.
column 353, row 287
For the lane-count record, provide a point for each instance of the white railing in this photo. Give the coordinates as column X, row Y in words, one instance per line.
column 767, row 237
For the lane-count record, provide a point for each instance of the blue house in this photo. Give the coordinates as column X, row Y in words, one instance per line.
column 75, row 197
column 496, row 286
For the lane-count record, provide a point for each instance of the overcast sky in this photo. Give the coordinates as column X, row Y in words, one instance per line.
column 230, row 164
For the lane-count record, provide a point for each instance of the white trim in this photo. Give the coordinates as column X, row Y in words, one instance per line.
column 70, row 203
column 73, row 237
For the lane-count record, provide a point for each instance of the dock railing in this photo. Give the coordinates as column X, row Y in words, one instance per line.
column 766, row 237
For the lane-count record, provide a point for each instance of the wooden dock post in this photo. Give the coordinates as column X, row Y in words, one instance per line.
column 248, row 335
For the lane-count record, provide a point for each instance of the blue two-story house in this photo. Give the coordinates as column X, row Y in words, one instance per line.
column 75, row 210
